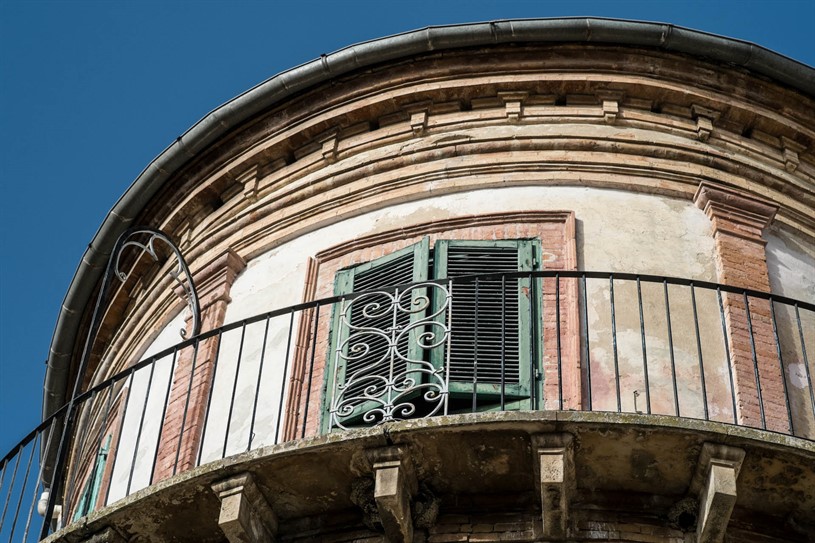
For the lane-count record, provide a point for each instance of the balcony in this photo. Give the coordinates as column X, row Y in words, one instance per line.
column 650, row 350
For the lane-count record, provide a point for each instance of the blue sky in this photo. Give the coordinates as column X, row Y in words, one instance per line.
column 90, row 92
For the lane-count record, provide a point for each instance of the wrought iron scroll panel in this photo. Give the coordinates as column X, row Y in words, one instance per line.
column 399, row 381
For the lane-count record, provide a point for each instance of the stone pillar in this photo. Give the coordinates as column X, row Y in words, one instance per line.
column 738, row 221
column 184, row 419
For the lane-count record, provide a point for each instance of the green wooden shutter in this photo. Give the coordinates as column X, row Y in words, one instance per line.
column 87, row 500
column 367, row 347
column 491, row 328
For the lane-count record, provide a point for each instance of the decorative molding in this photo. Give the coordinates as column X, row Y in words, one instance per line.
column 513, row 104
column 705, row 118
column 250, row 180
column 734, row 212
column 790, row 152
column 611, row 100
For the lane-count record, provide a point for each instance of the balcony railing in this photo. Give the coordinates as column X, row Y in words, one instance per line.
column 582, row 341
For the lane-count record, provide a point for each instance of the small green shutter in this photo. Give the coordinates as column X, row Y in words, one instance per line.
column 491, row 328
column 368, row 347
column 87, row 500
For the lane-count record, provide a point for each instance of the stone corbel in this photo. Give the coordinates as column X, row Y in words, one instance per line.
column 250, row 181
column 704, row 121
column 246, row 516
column 715, row 485
column 791, row 150
column 553, row 461
column 611, row 104
column 394, row 485
column 418, row 113
column 330, row 142
column 106, row 535
column 513, row 104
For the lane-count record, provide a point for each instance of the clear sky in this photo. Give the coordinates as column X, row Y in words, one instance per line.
column 90, row 92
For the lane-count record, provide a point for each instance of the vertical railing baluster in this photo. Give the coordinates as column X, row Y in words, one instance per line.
column 755, row 360
column 141, row 426
column 257, row 386
column 38, row 479
column 311, row 368
column 80, row 443
column 22, row 488
column 284, row 381
column 806, row 360
column 699, row 351
column 210, row 395
column 727, row 353
column 193, row 367
column 533, row 324
column 586, row 345
column 234, row 389
column 503, row 340
column 671, row 344
column 644, row 351
column 559, row 353
column 115, row 449
column 447, row 347
column 614, row 344
column 475, row 358
column 781, row 366
column 18, row 455
column 163, row 414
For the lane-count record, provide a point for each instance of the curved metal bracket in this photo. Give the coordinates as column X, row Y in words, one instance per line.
column 190, row 295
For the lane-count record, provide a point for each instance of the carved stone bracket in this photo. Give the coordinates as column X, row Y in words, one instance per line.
column 715, row 485
column 418, row 112
column 246, row 516
column 553, row 462
column 791, row 150
column 329, row 143
column 514, row 104
column 611, row 104
column 250, row 180
column 704, row 121
column 106, row 535
column 394, row 486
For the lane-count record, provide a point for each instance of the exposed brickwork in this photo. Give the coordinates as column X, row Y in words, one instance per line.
column 738, row 221
column 186, row 408
column 554, row 229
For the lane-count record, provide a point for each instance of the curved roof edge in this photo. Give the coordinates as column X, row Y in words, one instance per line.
column 279, row 87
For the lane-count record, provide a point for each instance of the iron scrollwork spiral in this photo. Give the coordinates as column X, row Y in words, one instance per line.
column 180, row 273
column 384, row 367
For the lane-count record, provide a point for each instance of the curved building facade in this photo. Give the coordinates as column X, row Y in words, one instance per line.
column 540, row 280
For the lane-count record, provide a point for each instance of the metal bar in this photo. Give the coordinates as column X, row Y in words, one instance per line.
column 699, row 351
column 755, row 360
column 671, row 345
column 644, row 351
column 727, row 355
column 163, row 415
column 38, row 479
column 448, row 346
column 533, row 362
column 69, row 489
column 475, row 357
column 234, row 389
column 586, row 339
column 257, row 387
column 195, row 348
column 22, row 490
column 559, row 357
column 209, row 399
column 503, row 340
column 141, row 425
column 781, row 366
column 311, row 369
column 614, row 344
column 11, row 485
column 119, row 437
column 806, row 360
column 284, row 380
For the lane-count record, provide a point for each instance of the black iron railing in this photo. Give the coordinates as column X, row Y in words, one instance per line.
column 518, row 341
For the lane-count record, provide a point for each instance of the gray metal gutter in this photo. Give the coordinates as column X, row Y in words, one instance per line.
column 285, row 84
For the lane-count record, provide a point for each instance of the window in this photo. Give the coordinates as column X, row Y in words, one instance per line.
column 391, row 357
